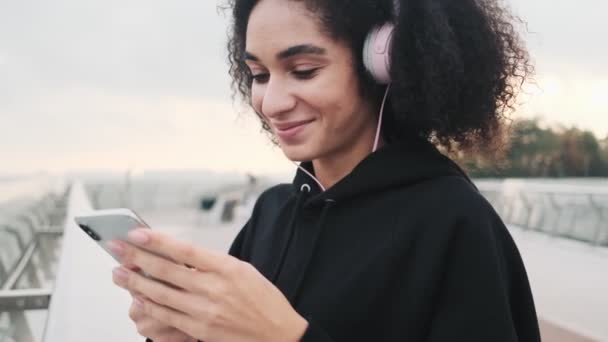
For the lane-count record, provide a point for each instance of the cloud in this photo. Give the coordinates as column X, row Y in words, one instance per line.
column 566, row 34
column 115, row 84
column 147, row 48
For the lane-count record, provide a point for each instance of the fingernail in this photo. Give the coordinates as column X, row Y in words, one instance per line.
column 120, row 273
column 116, row 248
column 138, row 236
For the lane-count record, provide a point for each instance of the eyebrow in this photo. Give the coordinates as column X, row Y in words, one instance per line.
column 303, row 49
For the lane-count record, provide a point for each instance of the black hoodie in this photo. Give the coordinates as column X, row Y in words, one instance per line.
column 404, row 248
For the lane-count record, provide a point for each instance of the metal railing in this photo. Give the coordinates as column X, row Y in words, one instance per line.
column 578, row 212
column 30, row 235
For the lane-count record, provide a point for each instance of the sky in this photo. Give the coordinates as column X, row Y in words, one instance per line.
column 116, row 85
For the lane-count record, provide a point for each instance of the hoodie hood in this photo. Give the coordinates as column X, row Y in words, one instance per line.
column 394, row 165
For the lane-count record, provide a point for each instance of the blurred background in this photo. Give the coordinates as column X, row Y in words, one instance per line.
column 127, row 104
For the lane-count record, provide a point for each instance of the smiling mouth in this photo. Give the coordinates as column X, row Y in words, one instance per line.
column 288, row 131
column 290, row 126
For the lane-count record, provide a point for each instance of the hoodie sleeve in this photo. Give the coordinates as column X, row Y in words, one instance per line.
column 236, row 248
column 242, row 244
column 484, row 293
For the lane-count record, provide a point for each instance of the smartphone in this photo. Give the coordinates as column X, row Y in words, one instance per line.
column 106, row 225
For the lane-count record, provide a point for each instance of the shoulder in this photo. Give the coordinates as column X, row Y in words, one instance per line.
column 466, row 207
column 450, row 197
column 449, row 210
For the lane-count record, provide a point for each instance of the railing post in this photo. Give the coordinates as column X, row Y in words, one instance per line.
column 542, row 213
column 572, row 225
column 509, row 208
column 600, row 221
column 558, row 208
column 528, row 207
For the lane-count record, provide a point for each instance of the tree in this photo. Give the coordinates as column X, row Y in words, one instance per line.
column 544, row 152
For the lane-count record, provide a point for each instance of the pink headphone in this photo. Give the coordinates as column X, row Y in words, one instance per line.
column 377, row 60
column 377, row 49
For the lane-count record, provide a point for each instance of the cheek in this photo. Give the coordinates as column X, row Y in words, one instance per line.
column 338, row 105
column 257, row 97
column 337, row 97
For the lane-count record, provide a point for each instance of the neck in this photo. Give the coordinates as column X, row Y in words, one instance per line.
column 331, row 168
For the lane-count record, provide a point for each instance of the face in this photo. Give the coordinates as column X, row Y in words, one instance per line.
column 304, row 83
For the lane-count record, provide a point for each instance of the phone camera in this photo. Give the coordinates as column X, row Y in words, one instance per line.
column 90, row 232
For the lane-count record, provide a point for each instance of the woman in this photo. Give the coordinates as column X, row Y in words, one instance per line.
column 380, row 237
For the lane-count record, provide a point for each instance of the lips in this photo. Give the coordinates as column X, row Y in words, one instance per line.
column 289, row 125
column 289, row 131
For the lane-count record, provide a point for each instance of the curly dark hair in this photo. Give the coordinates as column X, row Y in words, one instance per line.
column 457, row 66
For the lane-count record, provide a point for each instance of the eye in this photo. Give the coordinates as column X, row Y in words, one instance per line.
column 305, row 74
column 260, row 78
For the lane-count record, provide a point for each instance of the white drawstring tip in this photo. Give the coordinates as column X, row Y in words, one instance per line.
column 310, row 174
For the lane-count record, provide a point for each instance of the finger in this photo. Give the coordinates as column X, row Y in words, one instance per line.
column 152, row 328
column 146, row 325
column 173, row 318
column 182, row 252
column 138, row 269
column 134, row 294
column 135, row 312
column 166, row 271
column 132, row 267
column 154, row 290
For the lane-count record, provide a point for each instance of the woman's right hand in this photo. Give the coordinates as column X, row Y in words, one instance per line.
column 151, row 328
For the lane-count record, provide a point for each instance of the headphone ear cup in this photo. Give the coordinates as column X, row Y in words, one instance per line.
column 376, row 52
column 367, row 49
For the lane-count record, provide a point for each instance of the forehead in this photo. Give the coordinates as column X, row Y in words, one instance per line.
column 278, row 24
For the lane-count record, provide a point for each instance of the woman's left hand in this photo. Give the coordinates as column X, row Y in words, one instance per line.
column 217, row 298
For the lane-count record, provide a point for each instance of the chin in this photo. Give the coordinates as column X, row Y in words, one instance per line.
column 298, row 152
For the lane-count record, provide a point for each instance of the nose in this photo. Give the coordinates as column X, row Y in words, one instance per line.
column 278, row 98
